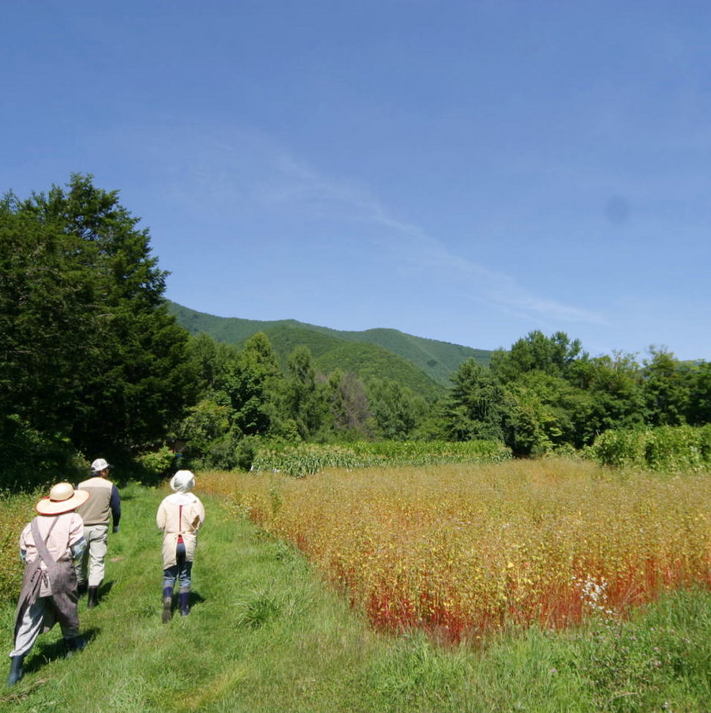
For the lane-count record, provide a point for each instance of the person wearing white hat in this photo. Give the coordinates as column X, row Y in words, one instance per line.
column 179, row 516
column 49, row 587
column 103, row 506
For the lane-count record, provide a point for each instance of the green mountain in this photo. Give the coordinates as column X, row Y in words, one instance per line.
column 424, row 365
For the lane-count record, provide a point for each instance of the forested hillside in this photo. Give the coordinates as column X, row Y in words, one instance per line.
column 438, row 360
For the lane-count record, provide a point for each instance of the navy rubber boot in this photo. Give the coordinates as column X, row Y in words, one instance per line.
column 15, row 670
column 184, row 603
column 77, row 643
column 167, row 604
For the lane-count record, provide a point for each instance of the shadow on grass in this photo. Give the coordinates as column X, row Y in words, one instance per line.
column 195, row 598
column 105, row 589
column 45, row 653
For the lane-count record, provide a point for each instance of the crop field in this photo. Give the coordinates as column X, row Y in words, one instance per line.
column 309, row 458
column 465, row 550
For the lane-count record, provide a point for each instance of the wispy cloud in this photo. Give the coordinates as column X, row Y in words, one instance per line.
column 227, row 172
column 297, row 183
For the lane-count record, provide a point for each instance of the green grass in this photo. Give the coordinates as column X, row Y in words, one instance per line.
column 266, row 635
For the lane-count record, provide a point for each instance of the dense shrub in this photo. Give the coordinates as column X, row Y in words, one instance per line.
column 32, row 458
column 667, row 448
column 157, row 464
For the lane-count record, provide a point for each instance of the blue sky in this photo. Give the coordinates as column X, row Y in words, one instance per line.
column 464, row 171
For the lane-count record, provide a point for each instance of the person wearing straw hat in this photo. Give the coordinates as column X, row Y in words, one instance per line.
column 48, row 544
column 104, row 505
column 179, row 516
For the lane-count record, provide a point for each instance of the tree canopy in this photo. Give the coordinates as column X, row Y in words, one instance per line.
column 90, row 357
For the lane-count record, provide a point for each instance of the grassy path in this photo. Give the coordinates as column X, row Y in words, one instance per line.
column 265, row 636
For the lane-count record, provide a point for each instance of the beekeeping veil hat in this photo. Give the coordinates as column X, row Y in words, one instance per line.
column 183, row 481
column 98, row 465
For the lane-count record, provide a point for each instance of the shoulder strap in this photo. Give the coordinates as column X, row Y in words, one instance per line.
column 40, row 544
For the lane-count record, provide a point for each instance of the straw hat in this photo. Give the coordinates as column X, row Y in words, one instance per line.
column 183, row 481
column 62, row 498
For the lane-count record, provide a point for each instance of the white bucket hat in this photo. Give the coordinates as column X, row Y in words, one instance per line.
column 99, row 464
column 62, row 498
column 183, row 481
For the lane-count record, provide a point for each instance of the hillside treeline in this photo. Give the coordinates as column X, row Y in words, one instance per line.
column 543, row 394
column 92, row 363
column 546, row 393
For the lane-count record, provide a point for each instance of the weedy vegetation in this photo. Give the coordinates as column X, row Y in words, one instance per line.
column 15, row 512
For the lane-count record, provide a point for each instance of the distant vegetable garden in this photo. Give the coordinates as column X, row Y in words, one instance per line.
column 307, row 459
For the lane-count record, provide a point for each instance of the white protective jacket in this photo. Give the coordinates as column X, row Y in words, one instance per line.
column 179, row 514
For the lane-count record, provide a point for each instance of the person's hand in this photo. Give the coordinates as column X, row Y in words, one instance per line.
column 115, row 529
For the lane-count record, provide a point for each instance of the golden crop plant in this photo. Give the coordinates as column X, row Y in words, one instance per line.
column 463, row 550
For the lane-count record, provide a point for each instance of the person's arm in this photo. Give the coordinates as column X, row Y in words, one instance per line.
column 115, row 504
column 77, row 543
column 161, row 517
column 77, row 549
column 23, row 543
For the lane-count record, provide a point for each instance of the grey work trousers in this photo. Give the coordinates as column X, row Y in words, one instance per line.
column 32, row 624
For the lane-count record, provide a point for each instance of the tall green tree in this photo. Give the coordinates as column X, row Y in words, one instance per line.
column 350, row 408
column 475, row 406
column 554, row 355
column 667, row 388
column 92, row 353
column 47, row 321
column 699, row 406
column 543, row 412
column 616, row 398
column 397, row 410
column 306, row 398
column 212, row 361
column 255, row 386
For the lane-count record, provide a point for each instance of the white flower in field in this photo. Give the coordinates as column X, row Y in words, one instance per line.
column 593, row 592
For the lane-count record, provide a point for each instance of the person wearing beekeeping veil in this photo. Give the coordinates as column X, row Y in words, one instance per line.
column 179, row 516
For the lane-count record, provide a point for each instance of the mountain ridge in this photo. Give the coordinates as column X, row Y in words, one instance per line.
column 436, row 360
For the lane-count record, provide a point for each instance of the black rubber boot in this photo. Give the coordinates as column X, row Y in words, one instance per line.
column 184, row 603
column 15, row 670
column 73, row 645
column 167, row 604
column 81, row 588
column 92, row 598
